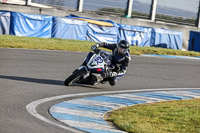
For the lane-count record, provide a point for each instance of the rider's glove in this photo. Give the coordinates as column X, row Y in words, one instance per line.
column 113, row 74
column 94, row 46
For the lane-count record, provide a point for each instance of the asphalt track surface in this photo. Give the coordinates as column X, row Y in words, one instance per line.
column 29, row 75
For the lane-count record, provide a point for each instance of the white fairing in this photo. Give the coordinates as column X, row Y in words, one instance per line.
column 96, row 61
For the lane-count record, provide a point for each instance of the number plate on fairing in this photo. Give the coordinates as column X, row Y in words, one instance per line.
column 96, row 62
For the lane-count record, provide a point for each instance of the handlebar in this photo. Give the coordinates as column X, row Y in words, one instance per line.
column 96, row 51
column 103, row 55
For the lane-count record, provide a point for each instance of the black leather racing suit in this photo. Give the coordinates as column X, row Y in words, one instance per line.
column 119, row 62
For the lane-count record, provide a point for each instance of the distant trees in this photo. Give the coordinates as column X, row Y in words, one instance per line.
column 111, row 10
column 176, row 19
column 163, row 17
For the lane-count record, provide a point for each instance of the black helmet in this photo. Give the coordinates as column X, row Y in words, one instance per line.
column 122, row 47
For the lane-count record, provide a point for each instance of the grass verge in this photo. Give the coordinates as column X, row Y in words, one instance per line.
column 182, row 116
column 8, row 41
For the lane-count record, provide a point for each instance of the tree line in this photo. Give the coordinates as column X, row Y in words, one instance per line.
column 163, row 17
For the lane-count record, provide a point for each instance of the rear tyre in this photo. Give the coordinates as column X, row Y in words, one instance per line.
column 75, row 76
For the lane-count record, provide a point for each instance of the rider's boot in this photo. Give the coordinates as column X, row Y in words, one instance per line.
column 104, row 80
column 112, row 81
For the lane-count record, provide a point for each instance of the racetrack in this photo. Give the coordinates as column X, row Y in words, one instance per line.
column 29, row 75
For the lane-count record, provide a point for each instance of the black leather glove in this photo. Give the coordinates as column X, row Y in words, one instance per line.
column 97, row 51
column 94, row 46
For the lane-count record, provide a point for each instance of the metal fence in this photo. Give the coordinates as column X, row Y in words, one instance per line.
column 174, row 11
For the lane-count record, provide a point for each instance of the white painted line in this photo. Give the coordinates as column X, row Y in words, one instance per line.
column 31, row 108
column 97, row 103
column 171, row 56
column 76, row 112
column 191, row 93
column 90, row 125
column 135, row 97
column 181, row 93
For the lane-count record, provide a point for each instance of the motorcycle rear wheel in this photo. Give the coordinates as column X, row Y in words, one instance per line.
column 75, row 76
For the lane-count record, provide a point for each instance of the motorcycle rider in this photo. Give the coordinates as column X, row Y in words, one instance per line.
column 120, row 59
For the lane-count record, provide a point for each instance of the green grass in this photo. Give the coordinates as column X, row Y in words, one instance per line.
column 8, row 41
column 182, row 116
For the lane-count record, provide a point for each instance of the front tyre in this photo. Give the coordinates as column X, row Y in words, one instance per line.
column 75, row 76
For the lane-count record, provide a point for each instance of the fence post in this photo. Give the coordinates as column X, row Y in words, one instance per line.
column 28, row 2
column 129, row 9
column 80, row 5
column 153, row 10
column 198, row 17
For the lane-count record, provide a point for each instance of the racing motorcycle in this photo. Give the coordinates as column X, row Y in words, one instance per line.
column 94, row 70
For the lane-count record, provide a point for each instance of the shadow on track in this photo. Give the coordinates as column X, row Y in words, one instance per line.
column 34, row 80
column 45, row 81
column 86, row 86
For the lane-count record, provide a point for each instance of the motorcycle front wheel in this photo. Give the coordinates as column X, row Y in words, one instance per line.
column 75, row 76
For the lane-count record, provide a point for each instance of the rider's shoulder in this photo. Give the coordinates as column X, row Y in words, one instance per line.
column 128, row 56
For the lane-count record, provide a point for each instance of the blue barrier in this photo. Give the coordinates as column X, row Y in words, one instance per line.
column 23, row 24
column 194, row 42
column 99, row 30
column 98, row 33
column 66, row 28
column 166, row 38
column 4, row 22
column 135, row 35
column 79, row 28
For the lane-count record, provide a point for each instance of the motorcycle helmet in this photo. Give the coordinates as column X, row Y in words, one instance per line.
column 122, row 47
